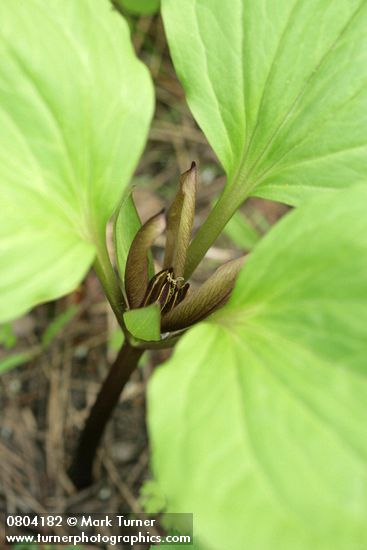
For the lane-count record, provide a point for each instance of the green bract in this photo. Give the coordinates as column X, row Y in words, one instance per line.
column 279, row 88
column 126, row 225
column 75, row 106
column 144, row 323
column 258, row 422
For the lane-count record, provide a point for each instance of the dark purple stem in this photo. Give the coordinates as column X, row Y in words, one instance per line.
column 81, row 470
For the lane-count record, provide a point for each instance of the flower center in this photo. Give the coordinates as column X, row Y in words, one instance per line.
column 165, row 290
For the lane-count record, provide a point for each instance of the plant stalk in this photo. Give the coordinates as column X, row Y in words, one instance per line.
column 107, row 277
column 235, row 192
column 208, row 233
column 81, row 470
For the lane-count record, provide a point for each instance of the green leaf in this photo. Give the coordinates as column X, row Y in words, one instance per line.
column 258, row 422
column 16, row 359
column 140, row 7
column 151, row 500
column 8, row 338
column 55, row 326
column 75, row 106
column 176, row 545
column 279, row 88
column 144, row 323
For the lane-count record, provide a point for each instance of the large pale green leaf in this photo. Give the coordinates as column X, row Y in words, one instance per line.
column 279, row 88
column 75, row 106
column 259, row 420
column 174, row 546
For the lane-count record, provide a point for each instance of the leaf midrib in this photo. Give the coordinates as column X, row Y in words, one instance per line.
column 241, row 174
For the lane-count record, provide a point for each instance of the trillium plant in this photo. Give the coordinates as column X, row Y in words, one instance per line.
column 258, row 421
column 159, row 307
